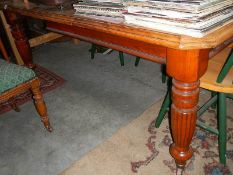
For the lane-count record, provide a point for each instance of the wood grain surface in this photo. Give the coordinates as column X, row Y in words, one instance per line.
column 122, row 29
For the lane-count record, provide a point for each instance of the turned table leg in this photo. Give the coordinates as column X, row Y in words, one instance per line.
column 183, row 121
column 18, row 32
column 186, row 67
column 40, row 104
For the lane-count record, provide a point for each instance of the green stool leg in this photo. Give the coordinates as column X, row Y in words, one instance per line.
column 226, row 68
column 164, row 76
column 207, row 127
column 209, row 103
column 163, row 110
column 203, row 109
column 93, row 50
column 137, row 61
column 230, row 96
column 121, row 56
column 214, row 105
column 222, row 138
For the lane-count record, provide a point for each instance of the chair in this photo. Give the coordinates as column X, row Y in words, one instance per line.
column 163, row 71
column 15, row 79
column 219, row 80
column 3, row 51
column 95, row 48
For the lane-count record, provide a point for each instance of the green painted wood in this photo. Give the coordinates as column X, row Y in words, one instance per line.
column 163, row 110
column 93, row 50
column 165, row 105
column 137, row 61
column 121, row 56
column 222, row 139
column 206, row 106
column 164, row 75
column 230, row 96
column 207, row 127
column 225, row 69
column 214, row 105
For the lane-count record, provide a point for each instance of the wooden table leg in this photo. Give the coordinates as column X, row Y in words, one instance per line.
column 183, row 121
column 186, row 67
column 17, row 29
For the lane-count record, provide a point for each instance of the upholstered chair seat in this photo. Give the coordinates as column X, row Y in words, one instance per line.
column 12, row 75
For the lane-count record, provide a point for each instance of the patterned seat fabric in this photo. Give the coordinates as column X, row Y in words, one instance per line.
column 12, row 75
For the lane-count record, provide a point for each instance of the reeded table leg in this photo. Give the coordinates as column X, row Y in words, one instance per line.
column 186, row 67
column 17, row 29
column 183, row 121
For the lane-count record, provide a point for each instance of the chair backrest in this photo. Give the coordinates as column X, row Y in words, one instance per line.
column 219, row 66
column 3, row 51
column 226, row 68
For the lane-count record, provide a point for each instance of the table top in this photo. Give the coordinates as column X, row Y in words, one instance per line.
column 120, row 28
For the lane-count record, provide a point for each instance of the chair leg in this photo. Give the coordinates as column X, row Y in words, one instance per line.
column 163, row 110
column 121, row 56
column 13, row 105
column 164, row 76
column 40, row 104
column 206, row 106
column 214, row 105
column 230, row 96
column 137, row 61
column 93, row 50
column 222, row 138
column 3, row 51
column 225, row 69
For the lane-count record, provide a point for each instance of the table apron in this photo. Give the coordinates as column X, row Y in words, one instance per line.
column 151, row 52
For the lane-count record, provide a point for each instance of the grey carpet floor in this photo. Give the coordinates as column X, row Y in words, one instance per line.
column 98, row 98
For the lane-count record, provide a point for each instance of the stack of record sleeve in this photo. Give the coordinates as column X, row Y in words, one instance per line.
column 194, row 18
column 100, row 8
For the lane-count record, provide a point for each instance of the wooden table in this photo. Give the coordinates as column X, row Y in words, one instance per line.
column 186, row 58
